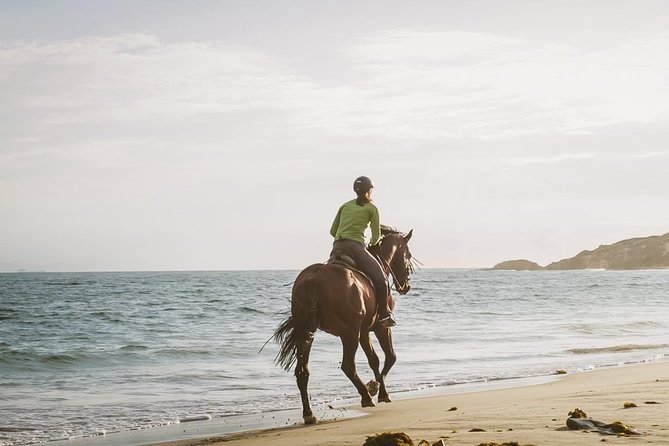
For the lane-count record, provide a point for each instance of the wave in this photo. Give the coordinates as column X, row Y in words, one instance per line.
column 17, row 429
column 70, row 283
column 190, row 418
column 8, row 313
column 133, row 347
column 107, row 316
column 251, row 310
column 24, row 358
column 592, row 328
column 616, row 348
column 581, row 328
column 37, row 360
column 62, row 358
column 179, row 352
column 641, row 324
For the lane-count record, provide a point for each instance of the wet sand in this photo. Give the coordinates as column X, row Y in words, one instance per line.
column 528, row 415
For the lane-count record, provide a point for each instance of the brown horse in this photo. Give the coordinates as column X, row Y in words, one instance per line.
column 340, row 300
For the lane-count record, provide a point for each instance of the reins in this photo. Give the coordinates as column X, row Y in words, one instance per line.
column 389, row 268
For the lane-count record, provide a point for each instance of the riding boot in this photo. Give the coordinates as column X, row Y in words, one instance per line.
column 385, row 316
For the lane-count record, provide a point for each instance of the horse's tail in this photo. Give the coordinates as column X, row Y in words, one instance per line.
column 298, row 328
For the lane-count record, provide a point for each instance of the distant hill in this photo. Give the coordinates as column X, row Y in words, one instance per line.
column 517, row 265
column 635, row 253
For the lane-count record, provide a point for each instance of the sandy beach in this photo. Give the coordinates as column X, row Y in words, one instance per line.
column 528, row 415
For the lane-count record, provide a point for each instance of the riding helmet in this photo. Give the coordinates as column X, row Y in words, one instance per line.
column 362, row 184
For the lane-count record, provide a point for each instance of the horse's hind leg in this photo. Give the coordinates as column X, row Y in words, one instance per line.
column 350, row 345
column 385, row 337
column 302, row 375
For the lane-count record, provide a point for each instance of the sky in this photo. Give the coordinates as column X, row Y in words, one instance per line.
column 217, row 135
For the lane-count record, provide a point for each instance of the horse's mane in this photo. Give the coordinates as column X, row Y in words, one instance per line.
column 388, row 230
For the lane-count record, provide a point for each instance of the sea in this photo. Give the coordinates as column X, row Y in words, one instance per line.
column 104, row 354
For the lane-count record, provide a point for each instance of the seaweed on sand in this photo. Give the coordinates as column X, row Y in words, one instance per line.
column 389, row 439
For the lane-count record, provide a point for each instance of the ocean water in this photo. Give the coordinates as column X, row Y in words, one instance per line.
column 84, row 354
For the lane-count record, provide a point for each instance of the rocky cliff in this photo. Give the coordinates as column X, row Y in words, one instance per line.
column 635, row 253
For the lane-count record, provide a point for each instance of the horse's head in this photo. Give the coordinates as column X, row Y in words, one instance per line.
column 394, row 252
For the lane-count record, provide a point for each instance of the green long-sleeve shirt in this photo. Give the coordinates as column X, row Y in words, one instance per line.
column 352, row 221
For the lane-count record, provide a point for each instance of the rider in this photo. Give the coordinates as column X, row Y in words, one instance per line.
column 348, row 229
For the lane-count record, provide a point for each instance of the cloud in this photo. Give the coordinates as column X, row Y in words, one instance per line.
column 132, row 98
column 648, row 155
column 407, row 85
column 553, row 159
column 138, row 76
column 485, row 85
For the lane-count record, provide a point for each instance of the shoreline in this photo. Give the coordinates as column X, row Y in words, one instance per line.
column 348, row 419
column 188, row 433
column 531, row 414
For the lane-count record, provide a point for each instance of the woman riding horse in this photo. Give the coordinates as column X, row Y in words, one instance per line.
column 340, row 299
column 348, row 230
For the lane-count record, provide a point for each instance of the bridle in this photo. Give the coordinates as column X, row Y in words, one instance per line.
column 401, row 288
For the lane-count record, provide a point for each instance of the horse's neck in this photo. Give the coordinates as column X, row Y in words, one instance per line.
column 386, row 261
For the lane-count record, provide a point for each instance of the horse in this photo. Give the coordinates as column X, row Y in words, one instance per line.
column 338, row 299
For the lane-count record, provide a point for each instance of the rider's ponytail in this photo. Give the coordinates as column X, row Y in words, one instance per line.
column 362, row 199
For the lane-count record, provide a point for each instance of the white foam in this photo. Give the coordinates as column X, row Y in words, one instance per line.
column 195, row 418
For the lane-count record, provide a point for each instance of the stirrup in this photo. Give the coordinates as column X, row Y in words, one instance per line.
column 388, row 321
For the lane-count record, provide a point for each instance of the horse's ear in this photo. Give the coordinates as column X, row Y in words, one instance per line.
column 408, row 236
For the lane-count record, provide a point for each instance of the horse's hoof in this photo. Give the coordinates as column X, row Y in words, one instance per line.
column 385, row 399
column 372, row 387
column 368, row 403
column 309, row 419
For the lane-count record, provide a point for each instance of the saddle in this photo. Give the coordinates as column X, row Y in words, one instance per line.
column 340, row 258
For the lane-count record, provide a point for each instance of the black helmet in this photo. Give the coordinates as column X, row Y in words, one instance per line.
column 362, row 184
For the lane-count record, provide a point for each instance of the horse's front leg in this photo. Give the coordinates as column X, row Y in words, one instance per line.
column 385, row 337
column 372, row 359
column 302, row 375
column 350, row 346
